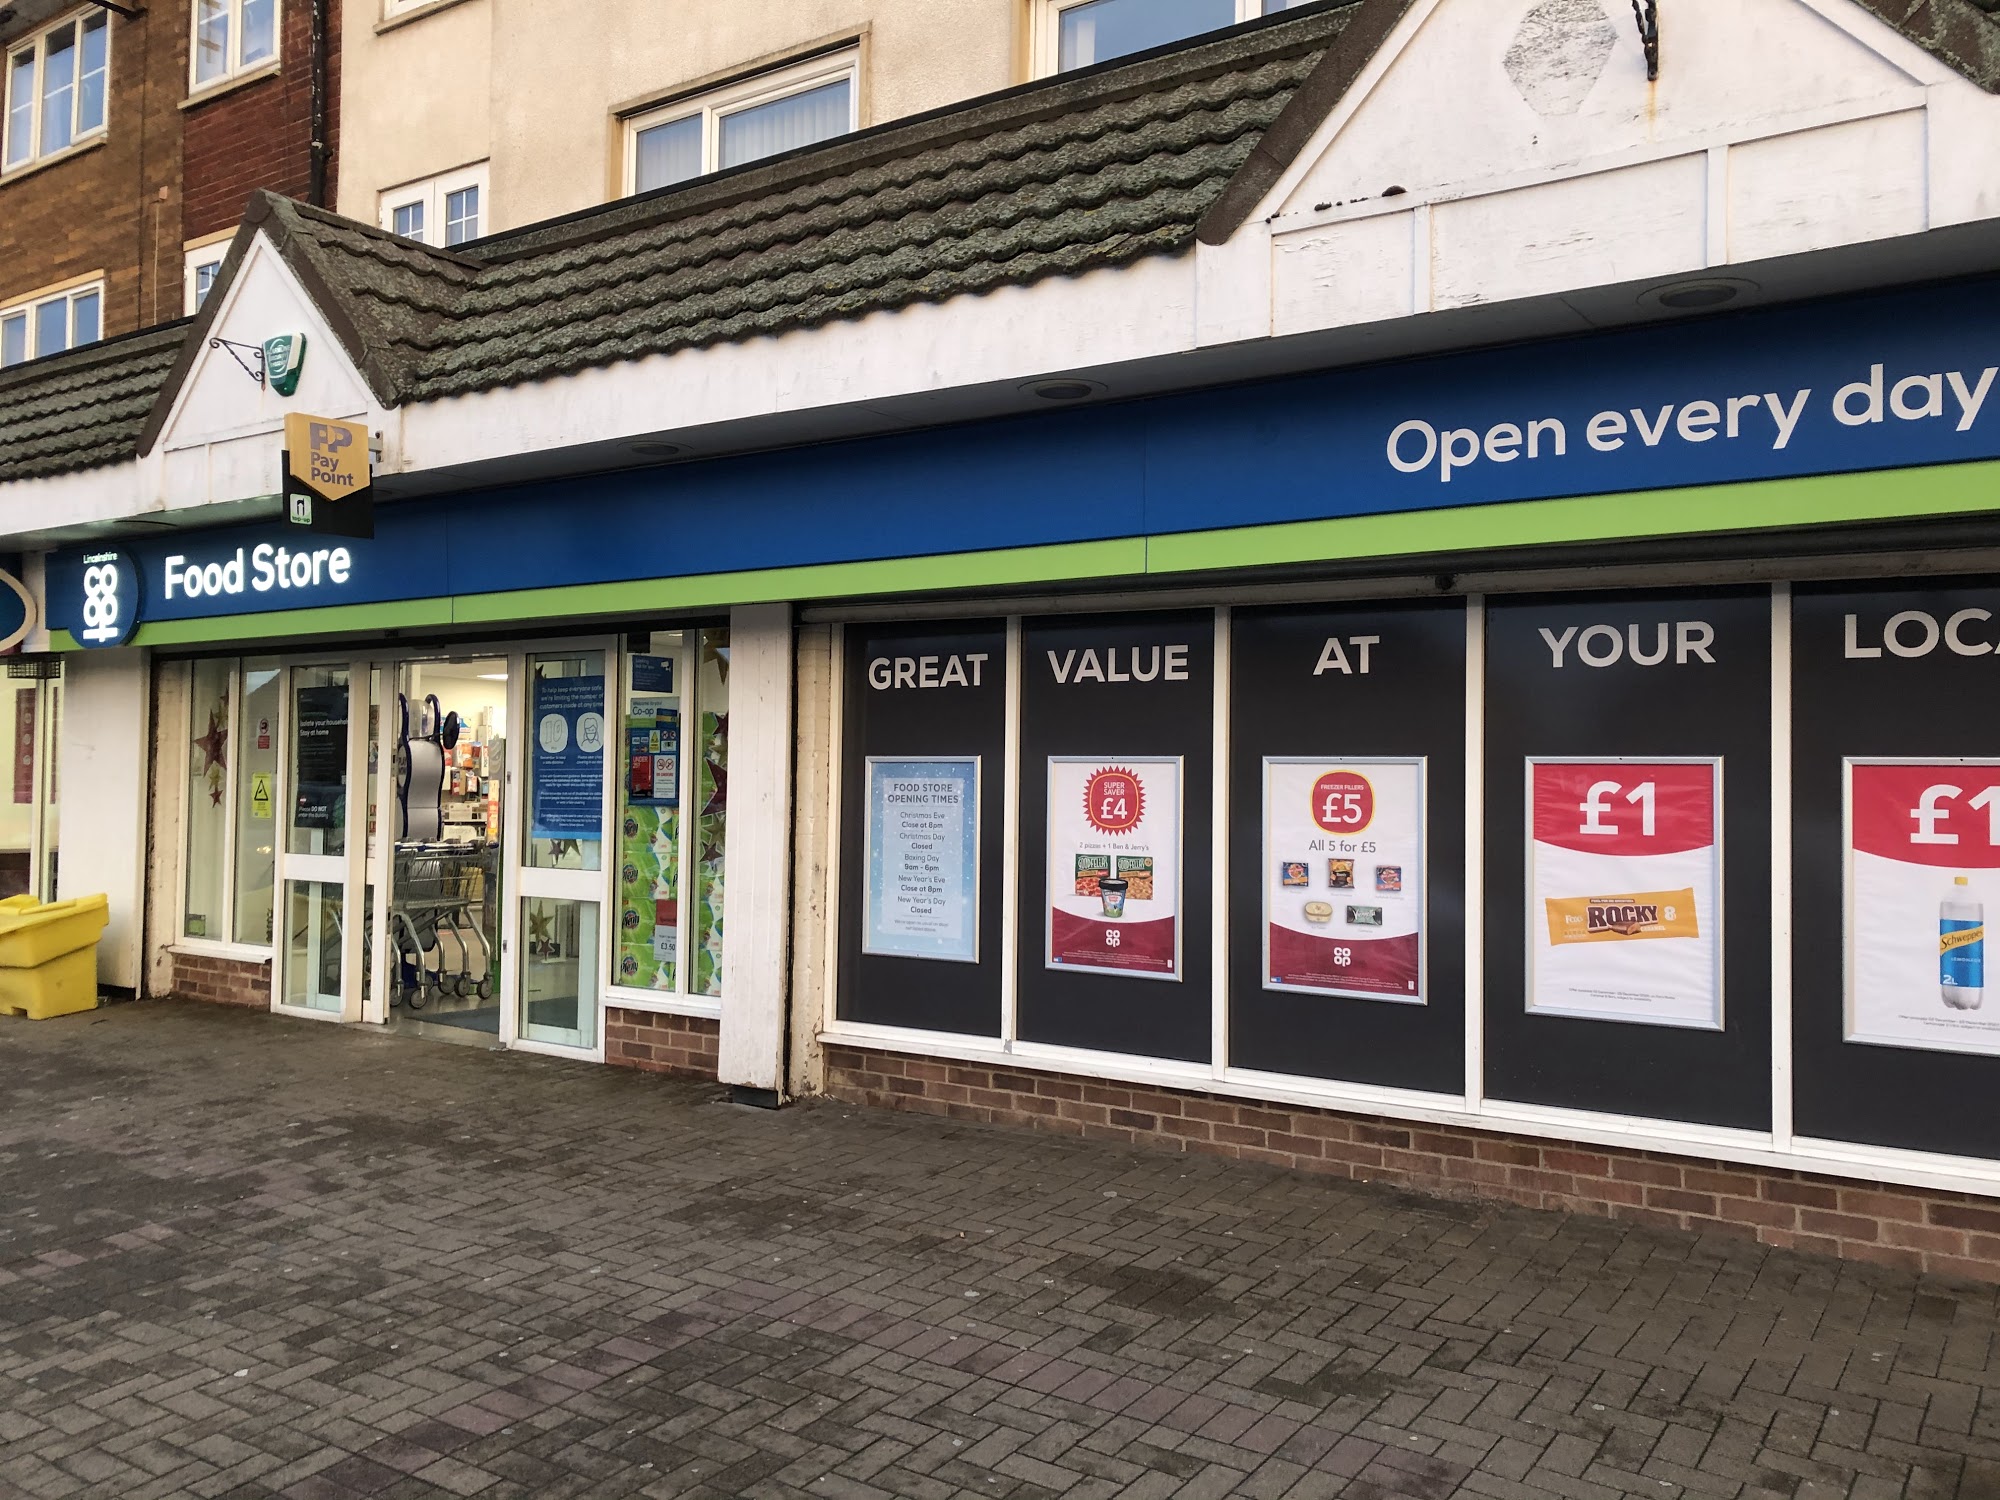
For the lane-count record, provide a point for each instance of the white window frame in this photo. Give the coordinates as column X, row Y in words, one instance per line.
column 715, row 104
column 72, row 292
column 434, row 193
column 1046, row 39
column 234, row 67
column 226, row 944
column 38, row 43
column 210, row 251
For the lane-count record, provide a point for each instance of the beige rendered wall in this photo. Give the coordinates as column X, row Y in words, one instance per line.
column 415, row 95
column 537, row 85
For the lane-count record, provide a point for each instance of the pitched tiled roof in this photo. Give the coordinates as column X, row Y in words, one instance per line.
column 1964, row 35
column 1071, row 174
column 1059, row 178
column 84, row 408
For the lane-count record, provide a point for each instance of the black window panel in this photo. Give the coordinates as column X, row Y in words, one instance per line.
column 1113, row 1012
column 1410, row 702
column 915, row 723
column 1673, row 709
column 1941, row 704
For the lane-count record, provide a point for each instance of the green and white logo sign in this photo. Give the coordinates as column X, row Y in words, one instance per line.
column 284, row 357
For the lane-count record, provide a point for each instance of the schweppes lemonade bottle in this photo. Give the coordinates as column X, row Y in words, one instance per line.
column 1961, row 947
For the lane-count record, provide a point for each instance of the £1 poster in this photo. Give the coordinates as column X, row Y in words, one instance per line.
column 1624, row 890
column 1343, row 877
column 1923, row 861
column 1114, row 873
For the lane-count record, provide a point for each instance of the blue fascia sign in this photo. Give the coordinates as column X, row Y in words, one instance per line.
column 1889, row 381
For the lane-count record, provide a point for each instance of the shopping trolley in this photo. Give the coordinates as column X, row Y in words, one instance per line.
column 437, row 927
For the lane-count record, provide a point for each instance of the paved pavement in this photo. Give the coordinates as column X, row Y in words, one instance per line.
column 245, row 1256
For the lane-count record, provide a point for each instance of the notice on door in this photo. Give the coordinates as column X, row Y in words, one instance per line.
column 1624, row 890
column 320, row 762
column 1115, row 865
column 1343, row 877
column 923, row 859
column 567, row 774
column 1923, row 866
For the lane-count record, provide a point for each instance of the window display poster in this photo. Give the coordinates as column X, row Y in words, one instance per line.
column 1343, row 877
column 321, row 757
column 1923, row 865
column 1624, row 890
column 1114, row 865
column 567, row 775
column 923, row 859
column 653, row 759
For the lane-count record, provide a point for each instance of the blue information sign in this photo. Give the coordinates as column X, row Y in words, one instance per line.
column 567, row 777
column 923, row 859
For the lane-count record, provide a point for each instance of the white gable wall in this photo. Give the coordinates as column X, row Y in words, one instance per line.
column 224, row 432
column 1501, row 149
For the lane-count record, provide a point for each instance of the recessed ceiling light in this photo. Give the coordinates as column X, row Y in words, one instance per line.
column 651, row 449
column 1697, row 295
column 1063, row 389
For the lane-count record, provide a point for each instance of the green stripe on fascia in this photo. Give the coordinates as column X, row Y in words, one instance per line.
column 1125, row 557
column 284, row 625
column 1819, row 500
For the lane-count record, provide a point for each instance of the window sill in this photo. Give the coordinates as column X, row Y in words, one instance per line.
column 662, row 1003
column 216, row 90
column 414, row 14
column 215, row 948
column 54, row 159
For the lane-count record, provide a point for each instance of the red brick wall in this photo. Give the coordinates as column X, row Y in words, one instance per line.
column 103, row 209
column 1917, row 1229
column 222, row 981
column 259, row 136
column 682, row 1045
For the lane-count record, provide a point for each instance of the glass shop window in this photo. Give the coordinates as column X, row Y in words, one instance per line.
column 673, row 787
column 229, row 844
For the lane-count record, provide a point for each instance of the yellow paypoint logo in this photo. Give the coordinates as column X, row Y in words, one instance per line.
column 326, row 456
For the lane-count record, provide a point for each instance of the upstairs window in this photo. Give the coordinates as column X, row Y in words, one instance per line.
column 1077, row 33
column 445, row 210
column 50, row 324
column 744, row 122
column 56, row 88
column 202, row 262
column 232, row 37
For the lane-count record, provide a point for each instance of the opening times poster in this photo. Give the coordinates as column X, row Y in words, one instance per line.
column 1114, row 875
column 1343, row 878
column 923, row 859
column 1923, row 866
column 1624, row 890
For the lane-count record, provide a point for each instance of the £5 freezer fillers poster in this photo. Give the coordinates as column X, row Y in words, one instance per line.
column 1343, row 877
column 1115, row 866
column 1624, row 890
column 1923, row 865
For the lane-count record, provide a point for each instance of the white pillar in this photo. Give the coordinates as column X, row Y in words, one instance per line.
column 756, row 923
column 102, row 764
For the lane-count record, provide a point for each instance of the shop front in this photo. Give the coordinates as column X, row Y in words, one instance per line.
column 1506, row 771
column 513, row 835
column 353, row 846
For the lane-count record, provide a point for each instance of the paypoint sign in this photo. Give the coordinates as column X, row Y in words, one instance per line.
column 327, row 475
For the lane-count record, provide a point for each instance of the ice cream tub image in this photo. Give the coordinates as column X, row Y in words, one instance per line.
column 1111, row 890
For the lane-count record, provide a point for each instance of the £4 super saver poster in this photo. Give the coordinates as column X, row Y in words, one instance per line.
column 1625, row 890
column 1114, row 868
column 1343, row 877
column 1923, row 867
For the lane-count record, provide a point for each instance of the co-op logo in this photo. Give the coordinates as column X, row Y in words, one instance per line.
column 110, row 599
